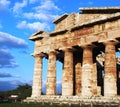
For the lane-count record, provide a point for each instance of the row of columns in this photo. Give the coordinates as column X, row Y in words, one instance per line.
column 86, row 75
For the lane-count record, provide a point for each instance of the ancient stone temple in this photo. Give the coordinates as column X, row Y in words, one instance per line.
column 86, row 43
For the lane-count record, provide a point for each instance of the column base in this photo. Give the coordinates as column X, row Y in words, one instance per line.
column 74, row 100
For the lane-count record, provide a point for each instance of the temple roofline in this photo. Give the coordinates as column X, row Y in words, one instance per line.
column 100, row 9
column 58, row 32
column 60, row 18
column 37, row 35
column 97, row 21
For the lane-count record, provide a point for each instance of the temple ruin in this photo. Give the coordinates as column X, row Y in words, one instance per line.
column 86, row 43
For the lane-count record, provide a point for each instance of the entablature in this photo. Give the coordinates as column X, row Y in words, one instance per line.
column 84, row 29
column 39, row 35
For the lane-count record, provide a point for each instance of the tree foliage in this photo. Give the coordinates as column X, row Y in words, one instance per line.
column 22, row 91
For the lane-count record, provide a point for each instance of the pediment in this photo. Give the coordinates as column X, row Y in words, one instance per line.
column 39, row 35
column 59, row 19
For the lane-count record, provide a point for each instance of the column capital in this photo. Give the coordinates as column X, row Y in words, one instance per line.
column 70, row 49
column 111, row 42
column 89, row 46
column 38, row 55
column 52, row 52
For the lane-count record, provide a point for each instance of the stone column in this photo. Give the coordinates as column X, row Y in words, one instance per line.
column 78, row 73
column 110, row 73
column 89, row 85
column 96, row 89
column 67, row 78
column 37, row 81
column 51, row 77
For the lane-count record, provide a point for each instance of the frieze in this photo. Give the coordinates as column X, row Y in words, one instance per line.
column 84, row 31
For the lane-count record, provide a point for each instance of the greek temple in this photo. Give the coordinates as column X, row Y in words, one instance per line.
column 86, row 44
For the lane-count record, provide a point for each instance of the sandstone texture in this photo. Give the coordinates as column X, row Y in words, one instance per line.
column 86, row 43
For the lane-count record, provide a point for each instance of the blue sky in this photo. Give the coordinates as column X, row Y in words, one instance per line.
column 21, row 18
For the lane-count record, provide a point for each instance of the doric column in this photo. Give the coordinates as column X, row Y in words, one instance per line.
column 51, row 77
column 67, row 78
column 89, row 85
column 78, row 73
column 37, row 81
column 110, row 73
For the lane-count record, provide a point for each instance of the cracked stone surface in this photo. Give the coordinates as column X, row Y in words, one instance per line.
column 86, row 43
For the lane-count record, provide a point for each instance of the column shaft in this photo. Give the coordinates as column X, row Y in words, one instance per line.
column 89, row 85
column 67, row 79
column 110, row 75
column 51, row 77
column 37, row 81
column 78, row 78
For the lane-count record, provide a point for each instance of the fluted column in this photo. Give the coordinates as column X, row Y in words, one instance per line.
column 51, row 77
column 37, row 81
column 110, row 73
column 78, row 78
column 67, row 78
column 89, row 85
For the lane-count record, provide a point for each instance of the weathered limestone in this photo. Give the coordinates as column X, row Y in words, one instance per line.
column 78, row 73
column 96, row 88
column 87, row 74
column 37, row 81
column 89, row 84
column 67, row 78
column 51, row 77
column 110, row 73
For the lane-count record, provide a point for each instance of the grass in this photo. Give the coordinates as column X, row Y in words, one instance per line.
column 46, row 105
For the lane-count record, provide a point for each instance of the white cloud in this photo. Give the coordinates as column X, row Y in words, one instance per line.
column 48, row 5
column 18, row 6
column 40, row 16
column 46, row 11
column 7, row 75
column 4, row 4
column 7, row 40
column 35, row 26
column 33, row 1
column 7, row 59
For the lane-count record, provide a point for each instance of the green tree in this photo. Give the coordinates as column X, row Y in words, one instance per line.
column 22, row 91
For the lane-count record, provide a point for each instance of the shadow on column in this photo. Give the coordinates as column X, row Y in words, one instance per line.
column 118, row 79
column 77, row 72
column 100, row 69
column 100, row 78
